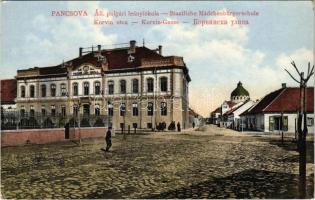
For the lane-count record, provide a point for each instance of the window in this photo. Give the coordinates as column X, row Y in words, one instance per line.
column 163, row 84
column 22, row 91
column 110, row 109
column 63, row 110
column 75, row 89
column 32, row 91
column 149, row 125
column 97, row 88
column 63, row 89
column 53, row 90
column 32, row 111
column 43, row 90
column 150, row 109
column 110, row 87
column 122, row 125
column 22, row 111
column 43, row 110
column 150, row 85
column 310, row 121
column 97, row 110
column 135, row 86
column 122, row 86
column 53, row 110
column 86, row 88
column 134, row 109
column 75, row 110
column 163, row 108
column 134, row 125
column 122, row 109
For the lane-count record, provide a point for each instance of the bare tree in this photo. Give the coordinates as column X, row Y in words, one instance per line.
column 302, row 117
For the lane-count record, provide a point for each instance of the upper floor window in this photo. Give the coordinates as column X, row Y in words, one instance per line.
column 135, row 86
column 63, row 89
column 53, row 90
column 22, row 91
column 86, row 88
column 122, row 86
column 97, row 88
column 43, row 90
column 135, row 109
column 150, row 109
column 163, row 84
column 150, row 84
column 163, row 108
column 110, row 87
column 75, row 89
column 32, row 91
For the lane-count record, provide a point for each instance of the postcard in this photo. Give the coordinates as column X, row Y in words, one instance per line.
column 157, row 99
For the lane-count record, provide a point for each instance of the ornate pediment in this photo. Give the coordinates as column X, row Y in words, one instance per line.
column 86, row 69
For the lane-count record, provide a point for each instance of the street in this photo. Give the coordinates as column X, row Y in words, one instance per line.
column 206, row 163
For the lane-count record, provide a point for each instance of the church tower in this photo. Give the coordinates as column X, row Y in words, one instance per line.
column 239, row 94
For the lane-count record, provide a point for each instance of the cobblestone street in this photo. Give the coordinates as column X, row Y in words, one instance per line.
column 213, row 163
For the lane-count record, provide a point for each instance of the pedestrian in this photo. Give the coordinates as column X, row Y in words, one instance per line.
column 193, row 124
column 108, row 139
column 178, row 127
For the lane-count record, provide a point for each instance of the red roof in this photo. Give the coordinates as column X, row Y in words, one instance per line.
column 231, row 104
column 8, row 91
column 217, row 110
column 284, row 100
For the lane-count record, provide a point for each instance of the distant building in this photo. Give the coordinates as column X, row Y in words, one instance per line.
column 237, row 98
column 132, row 85
column 8, row 95
column 277, row 111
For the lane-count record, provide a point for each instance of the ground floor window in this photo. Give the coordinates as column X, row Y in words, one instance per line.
column 134, row 125
column 122, row 125
column 149, row 125
column 310, row 121
column 278, row 123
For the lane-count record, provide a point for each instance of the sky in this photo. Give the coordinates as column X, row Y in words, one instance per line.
column 218, row 57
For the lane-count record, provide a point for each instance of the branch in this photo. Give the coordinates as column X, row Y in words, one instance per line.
column 310, row 75
column 308, row 68
column 293, row 64
column 292, row 76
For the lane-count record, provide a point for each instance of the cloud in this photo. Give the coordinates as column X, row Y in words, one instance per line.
column 218, row 57
column 59, row 38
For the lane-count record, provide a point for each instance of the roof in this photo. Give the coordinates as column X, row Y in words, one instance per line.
column 284, row 100
column 217, row 110
column 234, row 109
column 117, row 59
column 193, row 113
column 231, row 103
column 239, row 90
column 8, row 91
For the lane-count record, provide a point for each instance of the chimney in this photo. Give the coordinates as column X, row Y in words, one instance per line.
column 284, row 85
column 160, row 49
column 99, row 47
column 132, row 48
column 80, row 51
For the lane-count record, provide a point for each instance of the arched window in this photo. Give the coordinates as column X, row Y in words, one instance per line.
column 135, row 86
column 63, row 90
column 43, row 90
column 150, row 109
column 32, row 91
column 86, row 88
column 75, row 89
column 150, row 84
column 110, row 87
column 110, row 109
column 22, row 91
column 122, row 86
column 135, row 109
column 97, row 88
column 22, row 111
column 32, row 111
column 53, row 110
column 53, row 90
column 97, row 110
column 63, row 110
column 163, row 84
column 163, row 108
column 43, row 110
column 122, row 109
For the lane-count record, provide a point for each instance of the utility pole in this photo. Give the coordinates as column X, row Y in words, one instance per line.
column 302, row 116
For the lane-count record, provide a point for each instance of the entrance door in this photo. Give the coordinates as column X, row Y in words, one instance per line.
column 86, row 109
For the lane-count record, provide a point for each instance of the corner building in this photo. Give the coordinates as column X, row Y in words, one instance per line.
column 132, row 85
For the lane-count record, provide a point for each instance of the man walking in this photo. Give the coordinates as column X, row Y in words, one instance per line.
column 108, row 139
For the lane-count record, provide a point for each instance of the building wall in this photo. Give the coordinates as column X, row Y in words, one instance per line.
column 176, row 96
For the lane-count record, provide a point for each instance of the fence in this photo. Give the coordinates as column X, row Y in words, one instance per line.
column 31, row 120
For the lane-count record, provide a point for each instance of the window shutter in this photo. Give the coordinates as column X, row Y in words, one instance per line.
column 285, row 123
column 271, row 123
